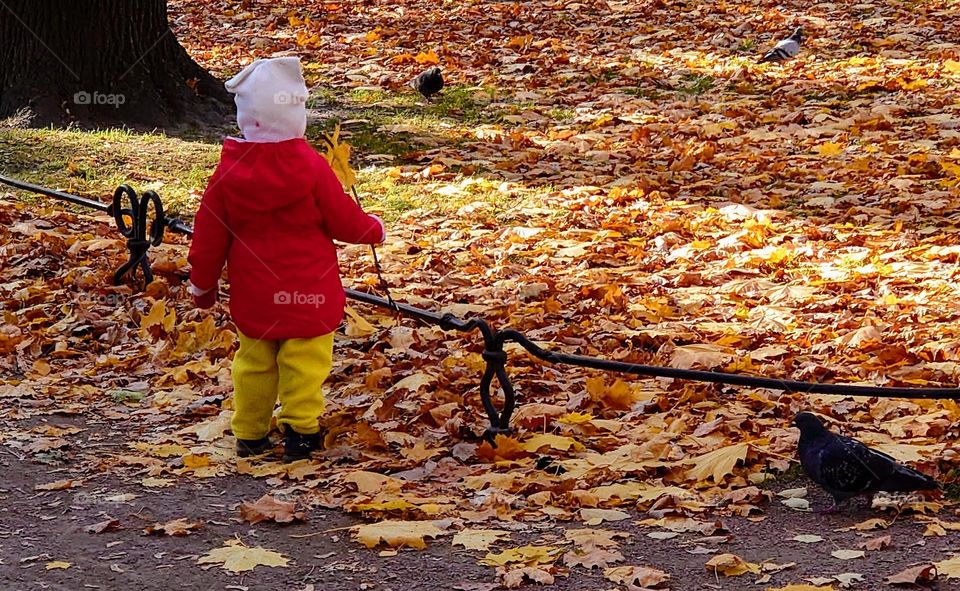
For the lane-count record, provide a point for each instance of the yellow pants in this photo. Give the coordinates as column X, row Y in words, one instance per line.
column 292, row 370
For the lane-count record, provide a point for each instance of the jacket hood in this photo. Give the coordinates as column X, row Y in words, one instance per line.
column 263, row 176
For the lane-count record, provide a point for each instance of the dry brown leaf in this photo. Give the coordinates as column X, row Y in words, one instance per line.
column 176, row 528
column 640, row 576
column 103, row 526
column 269, row 508
column 914, row 575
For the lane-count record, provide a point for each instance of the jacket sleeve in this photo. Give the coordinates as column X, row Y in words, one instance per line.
column 211, row 240
column 343, row 218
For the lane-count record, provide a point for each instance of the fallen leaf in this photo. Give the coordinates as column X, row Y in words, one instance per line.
column 479, row 539
column 515, row 577
column 176, row 528
column 876, row 543
column 731, row 565
column 396, row 534
column 60, row 484
column 638, row 576
column 914, row 575
column 268, row 508
column 527, row 555
column 58, row 565
column 717, row 464
column 830, row 149
column 591, row 558
column 797, row 504
column 235, row 557
column 557, row 442
column 598, row 516
column 103, row 526
column 847, row 554
column 949, row 568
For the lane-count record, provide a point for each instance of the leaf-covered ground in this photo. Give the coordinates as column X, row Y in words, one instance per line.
column 613, row 178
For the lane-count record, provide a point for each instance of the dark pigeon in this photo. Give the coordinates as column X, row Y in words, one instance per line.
column 846, row 468
column 428, row 83
column 785, row 48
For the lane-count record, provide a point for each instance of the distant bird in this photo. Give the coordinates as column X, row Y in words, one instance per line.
column 846, row 468
column 428, row 83
column 785, row 48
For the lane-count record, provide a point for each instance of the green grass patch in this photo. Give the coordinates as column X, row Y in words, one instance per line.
column 696, row 84
column 385, row 129
column 378, row 122
column 93, row 163
column 561, row 115
column 127, row 396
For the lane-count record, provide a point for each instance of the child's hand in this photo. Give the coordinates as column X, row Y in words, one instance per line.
column 383, row 228
column 203, row 298
column 206, row 300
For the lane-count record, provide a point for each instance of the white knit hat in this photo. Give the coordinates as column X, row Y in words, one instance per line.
column 271, row 100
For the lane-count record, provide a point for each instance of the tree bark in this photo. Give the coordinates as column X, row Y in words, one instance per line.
column 101, row 62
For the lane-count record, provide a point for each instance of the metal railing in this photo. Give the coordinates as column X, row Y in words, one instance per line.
column 142, row 233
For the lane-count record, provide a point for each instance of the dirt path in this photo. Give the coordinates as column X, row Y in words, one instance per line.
column 42, row 527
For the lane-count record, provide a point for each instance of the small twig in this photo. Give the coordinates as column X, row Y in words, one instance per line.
column 320, row 533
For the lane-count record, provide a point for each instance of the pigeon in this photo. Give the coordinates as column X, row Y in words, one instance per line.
column 428, row 82
column 846, row 468
column 785, row 48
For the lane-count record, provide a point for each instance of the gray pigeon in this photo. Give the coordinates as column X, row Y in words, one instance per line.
column 785, row 48
column 846, row 468
column 428, row 83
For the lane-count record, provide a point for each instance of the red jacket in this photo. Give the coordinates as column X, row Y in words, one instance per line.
column 270, row 213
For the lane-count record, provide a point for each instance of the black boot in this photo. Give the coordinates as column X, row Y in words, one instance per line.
column 297, row 446
column 253, row 447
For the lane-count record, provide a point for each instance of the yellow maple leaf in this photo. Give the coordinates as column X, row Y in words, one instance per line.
column 576, row 418
column 952, row 66
column 949, row 568
column 718, row 463
column 479, row 539
column 338, row 156
column 427, row 58
column 357, row 325
column 731, row 565
column 951, row 168
column 384, row 506
column 58, row 564
column 527, row 555
column 557, row 442
column 829, row 149
column 159, row 316
column 396, row 534
column 236, row 557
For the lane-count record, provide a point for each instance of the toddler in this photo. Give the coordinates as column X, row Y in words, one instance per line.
column 270, row 212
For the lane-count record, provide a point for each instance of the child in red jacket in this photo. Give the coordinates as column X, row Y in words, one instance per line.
column 271, row 212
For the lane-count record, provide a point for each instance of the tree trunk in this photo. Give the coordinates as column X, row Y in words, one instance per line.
column 100, row 62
